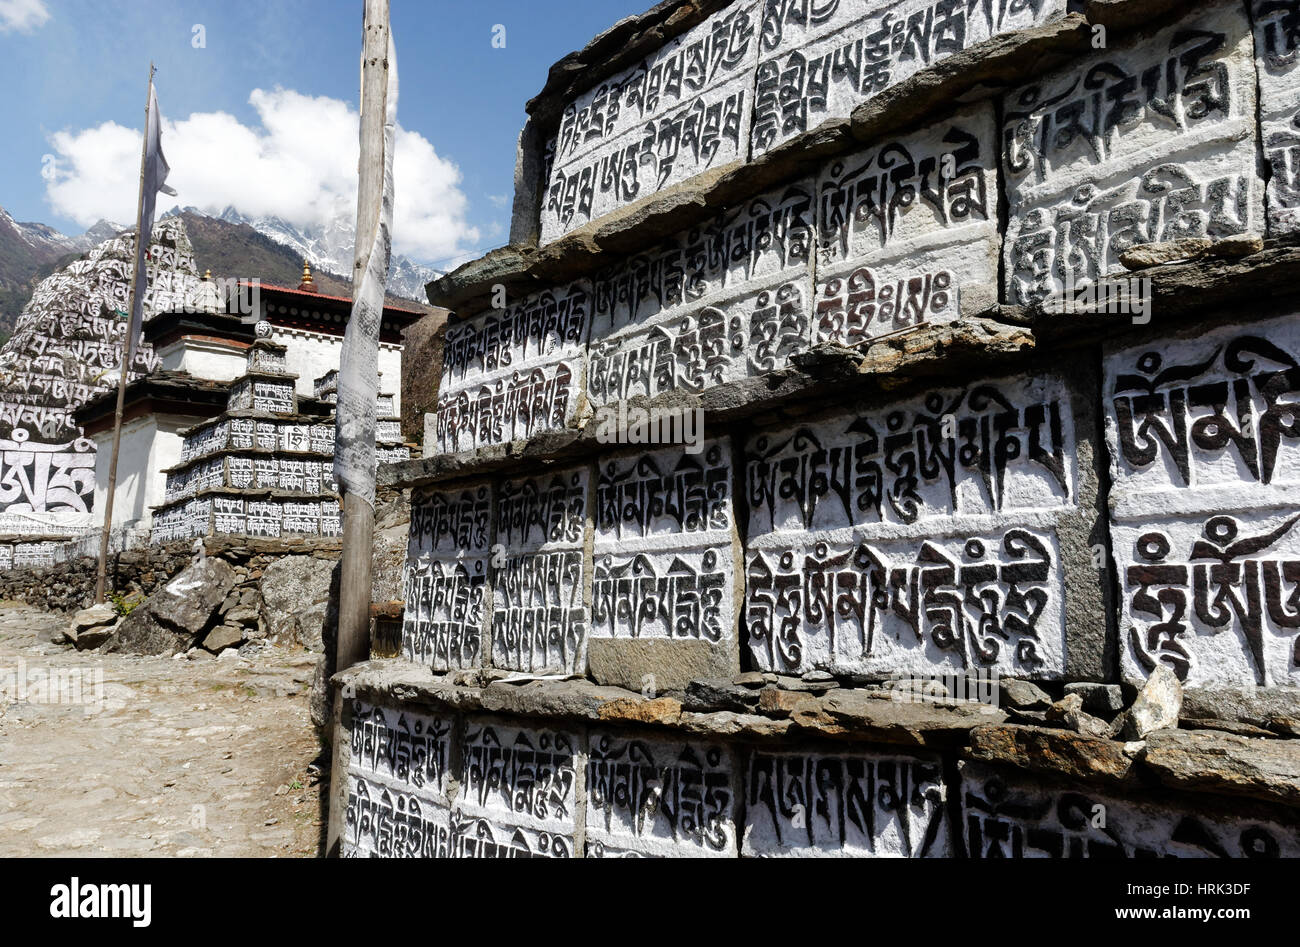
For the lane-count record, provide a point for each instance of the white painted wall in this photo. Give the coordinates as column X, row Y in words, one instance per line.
column 313, row 354
column 213, row 361
column 149, row 445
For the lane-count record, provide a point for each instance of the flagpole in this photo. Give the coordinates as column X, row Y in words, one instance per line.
column 101, row 577
column 357, row 556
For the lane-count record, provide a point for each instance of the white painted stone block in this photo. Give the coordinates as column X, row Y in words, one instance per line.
column 539, row 612
column 660, row 798
column 820, row 59
column 918, row 537
column 1204, row 441
column 1152, row 142
column 446, row 578
column 685, row 109
column 1277, row 54
column 398, row 783
column 845, row 805
column 520, row 795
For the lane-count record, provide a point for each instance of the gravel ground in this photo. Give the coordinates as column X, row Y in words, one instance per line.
column 155, row 757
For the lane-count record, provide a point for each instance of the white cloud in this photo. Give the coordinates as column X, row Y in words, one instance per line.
column 22, row 15
column 299, row 163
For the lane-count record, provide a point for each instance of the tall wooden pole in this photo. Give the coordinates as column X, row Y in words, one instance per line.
column 101, row 575
column 356, row 577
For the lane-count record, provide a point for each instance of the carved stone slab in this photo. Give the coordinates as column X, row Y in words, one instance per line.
column 1277, row 54
column 1204, row 438
column 905, row 229
column 539, row 610
column 1151, row 142
column 1007, row 816
column 660, row 798
column 820, row 59
column 398, row 784
column 845, row 805
column 521, row 793
column 446, row 578
column 921, row 536
column 685, row 109
column 666, row 554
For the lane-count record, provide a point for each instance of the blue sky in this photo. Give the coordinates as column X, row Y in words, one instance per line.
column 74, row 72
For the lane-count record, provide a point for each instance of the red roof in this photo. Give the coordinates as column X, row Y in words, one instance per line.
column 388, row 307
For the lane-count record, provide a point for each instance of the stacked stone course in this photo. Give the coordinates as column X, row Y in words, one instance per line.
column 860, row 239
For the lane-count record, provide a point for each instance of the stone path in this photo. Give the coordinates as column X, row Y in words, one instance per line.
column 176, row 757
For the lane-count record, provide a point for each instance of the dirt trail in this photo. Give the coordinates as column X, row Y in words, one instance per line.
column 178, row 758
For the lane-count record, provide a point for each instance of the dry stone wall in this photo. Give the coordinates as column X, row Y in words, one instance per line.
column 977, row 323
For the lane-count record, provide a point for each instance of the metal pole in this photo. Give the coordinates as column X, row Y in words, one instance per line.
column 101, row 575
column 355, row 581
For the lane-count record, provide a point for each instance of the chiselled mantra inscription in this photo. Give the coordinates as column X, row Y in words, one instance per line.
column 1088, row 232
column 903, row 464
column 384, row 822
column 856, row 309
column 1185, row 89
column 527, row 775
column 643, row 497
column 639, row 792
column 765, row 237
column 684, row 596
column 883, row 806
column 818, row 62
column 410, row 749
column 1005, row 819
column 46, row 478
column 450, row 522
column 518, row 406
column 541, row 511
column 1232, row 579
column 862, row 202
column 1240, row 400
column 443, row 623
column 530, row 330
column 986, row 602
column 538, row 620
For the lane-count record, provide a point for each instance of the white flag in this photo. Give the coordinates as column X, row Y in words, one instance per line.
column 153, row 181
column 354, row 416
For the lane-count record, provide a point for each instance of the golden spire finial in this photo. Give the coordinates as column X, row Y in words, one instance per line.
column 306, row 272
column 207, row 276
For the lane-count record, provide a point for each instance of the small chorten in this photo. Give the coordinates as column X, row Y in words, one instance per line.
column 308, row 285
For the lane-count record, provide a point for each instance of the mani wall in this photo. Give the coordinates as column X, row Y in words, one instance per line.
column 860, row 243
column 65, row 350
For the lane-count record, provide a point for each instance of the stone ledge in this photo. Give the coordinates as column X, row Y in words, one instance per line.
column 869, row 716
column 1224, row 764
column 1047, row 750
column 1000, row 338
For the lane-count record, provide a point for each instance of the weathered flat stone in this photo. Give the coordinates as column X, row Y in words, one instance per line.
column 1276, row 709
column 223, row 637
column 1022, row 695
column 93, row 638
column 1052, row 751
column 660, row 710
column 874, row 716
column 1172, row 251
column 1104, row 700
column 659, row 663
column 1225, row 726
column 1205, row 761
column 94, row 617
column 780, row 703
column 727, row 724
column 711, row 695
column 1156, row 707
